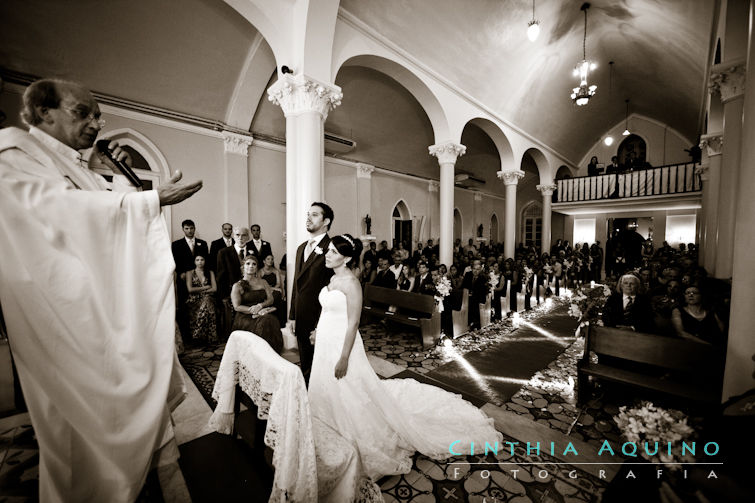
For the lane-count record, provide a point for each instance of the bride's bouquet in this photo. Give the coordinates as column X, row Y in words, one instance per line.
column 442, row 290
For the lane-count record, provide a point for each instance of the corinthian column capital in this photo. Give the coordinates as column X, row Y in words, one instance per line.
column 728, row 78
column 433, row 186
column 547, row 189
column 364, row 170
column 236, row 143
column 297, row 94
column 447, row 152
column 713, row 143
column 511, row 176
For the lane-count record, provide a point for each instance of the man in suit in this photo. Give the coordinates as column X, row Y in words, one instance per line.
column 476, row 282
column 371, row 254
column 384, row 277
column 224, row 241
column 629, row 308
column 185, row 250
column 258, row 246
column 310, row 276
column 423, row 283
column 229, row 272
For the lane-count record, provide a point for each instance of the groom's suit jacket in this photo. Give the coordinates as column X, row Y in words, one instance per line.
column 310, row 277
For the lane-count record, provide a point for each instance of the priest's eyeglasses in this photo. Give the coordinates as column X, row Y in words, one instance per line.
column 85, row 115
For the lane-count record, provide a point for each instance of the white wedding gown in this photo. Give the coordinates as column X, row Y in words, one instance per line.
column 386, row 420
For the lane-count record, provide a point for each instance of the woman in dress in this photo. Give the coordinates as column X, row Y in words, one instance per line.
column 274, row 278
column 252, row 299
column 201, row 302
column 386, row 420
column 368, row 272
column 406, row 279
column 693, row 321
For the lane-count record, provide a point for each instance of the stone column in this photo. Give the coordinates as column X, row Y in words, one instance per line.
column 447, row 153
column 510, row 179
column 305, row 103
column 547, row 191
column 236, row 178
column 364, row 198
column 729, row 80
column 433, row 203
column 710, row 174
column 738, row 376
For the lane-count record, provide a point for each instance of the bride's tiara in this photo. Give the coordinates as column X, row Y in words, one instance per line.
column 347, row 238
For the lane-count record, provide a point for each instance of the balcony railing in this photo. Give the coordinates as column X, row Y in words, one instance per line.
column 671, row 179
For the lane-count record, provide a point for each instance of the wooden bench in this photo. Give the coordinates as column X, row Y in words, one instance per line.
column 461, row 317
column 686, row 370
column 414, row 309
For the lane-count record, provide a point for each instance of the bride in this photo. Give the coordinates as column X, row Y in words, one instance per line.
column 385, row 420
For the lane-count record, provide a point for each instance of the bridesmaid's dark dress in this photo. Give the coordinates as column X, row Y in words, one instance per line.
column 278, row 302
column 266, row 326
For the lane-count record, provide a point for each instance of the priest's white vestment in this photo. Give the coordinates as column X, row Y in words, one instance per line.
column 86, row 290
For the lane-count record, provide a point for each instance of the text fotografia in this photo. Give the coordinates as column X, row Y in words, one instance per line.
column 629, row 449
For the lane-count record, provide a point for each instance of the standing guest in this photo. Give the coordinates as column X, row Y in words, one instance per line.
column 371, row 255
column 92, row 335
column 252, row 299
column 694, row 322
column 229, row 272
column 418, row 253
column 402, row 251
column 592, row 167
column 200, row 305
column 274, row 278
column 614, row 166
column 476, row 283
column 596, row 254
column 184, row 251
column 225, row 241
column 259, row 247
column 455, row 278
column 428, row 250
column 384, row 252
column 310, row 276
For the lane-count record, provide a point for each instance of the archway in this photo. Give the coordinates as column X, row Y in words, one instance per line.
column 402, row 225
column 632, row 151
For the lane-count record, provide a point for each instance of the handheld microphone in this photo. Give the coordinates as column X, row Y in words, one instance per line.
column 122, row 166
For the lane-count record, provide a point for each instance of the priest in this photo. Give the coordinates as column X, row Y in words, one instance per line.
column 87, row 294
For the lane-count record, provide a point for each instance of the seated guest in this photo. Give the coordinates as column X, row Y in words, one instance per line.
column 418, row 253
column 397, row 264
column 627, row 308
column 368, row 272
column 200, row 304
column 402, row 251
column 692, row 321
column 664, row 305
column 274, row 277
column 251, row 296
column 406, row 278
column 423, row 282
column 384, row 277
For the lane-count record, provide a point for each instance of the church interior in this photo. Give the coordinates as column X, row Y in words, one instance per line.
column 451, row 121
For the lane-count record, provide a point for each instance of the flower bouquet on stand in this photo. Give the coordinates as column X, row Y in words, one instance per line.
column 587, row 304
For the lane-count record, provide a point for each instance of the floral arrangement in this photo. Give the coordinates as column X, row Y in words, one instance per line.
column 649, row 424
column 493, row 280
column 528, row 272
column 587, row 304
column 568, row 265
column 442, row 289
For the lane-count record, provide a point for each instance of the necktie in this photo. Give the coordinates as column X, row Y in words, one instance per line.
column 630, row 301
column 241, row 255
column 308, row 249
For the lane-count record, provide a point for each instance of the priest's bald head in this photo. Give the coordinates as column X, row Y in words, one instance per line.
column 65, row 110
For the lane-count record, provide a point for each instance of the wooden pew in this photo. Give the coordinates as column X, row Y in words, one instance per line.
column 683, row 369
column 413, row 309
column 461, row 317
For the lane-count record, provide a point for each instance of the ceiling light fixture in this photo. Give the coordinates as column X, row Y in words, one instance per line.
column 626, row 121
column 533, row 27
column 582, row 94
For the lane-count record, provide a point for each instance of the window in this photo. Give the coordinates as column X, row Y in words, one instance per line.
column 532, row 225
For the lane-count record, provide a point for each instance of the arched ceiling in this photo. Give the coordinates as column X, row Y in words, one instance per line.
column 660, row 49
column 189, row 60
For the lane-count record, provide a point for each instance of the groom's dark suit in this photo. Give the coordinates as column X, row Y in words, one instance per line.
column 309, row 278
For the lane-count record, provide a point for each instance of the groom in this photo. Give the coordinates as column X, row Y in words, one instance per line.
column 310, row 277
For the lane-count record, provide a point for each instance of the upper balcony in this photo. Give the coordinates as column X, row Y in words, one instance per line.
column 675, row 186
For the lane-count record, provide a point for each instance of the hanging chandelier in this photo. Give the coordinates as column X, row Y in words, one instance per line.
column 626, row 121
column 582, row 94
column 533, row 27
